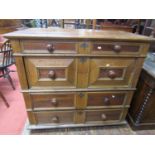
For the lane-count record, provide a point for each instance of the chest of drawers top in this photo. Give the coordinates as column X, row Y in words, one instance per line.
column 79, row 42
column 59, row 33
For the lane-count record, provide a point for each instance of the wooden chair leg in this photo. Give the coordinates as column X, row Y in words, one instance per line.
column 5, row 101
column 7, row 71
column 10, row 80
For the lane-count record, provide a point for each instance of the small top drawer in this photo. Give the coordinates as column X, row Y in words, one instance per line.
column 48, row 46
column 121, row 48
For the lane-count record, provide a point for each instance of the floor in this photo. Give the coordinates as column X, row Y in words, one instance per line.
column 12, row 119
column 105, row 130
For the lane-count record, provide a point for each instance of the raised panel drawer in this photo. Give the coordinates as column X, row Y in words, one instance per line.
column 51, row 72
column 52, row 100
column 108, row 99
column 54, row 117
column 102, row 115
column 48, row 46
column 118, row 48
column 80, row 100
column 112, row 72
column 75, row 117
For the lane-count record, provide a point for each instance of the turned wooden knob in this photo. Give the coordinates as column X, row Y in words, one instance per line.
column 54, row 102
column 112, row 74
column 117, row 48
column 55, row 119
column 99, row 47
column 106, row 100
column 51, row 74
column 50, row 47
column 103, row 117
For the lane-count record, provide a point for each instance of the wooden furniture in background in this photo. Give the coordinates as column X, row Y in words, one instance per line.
column 94, row 24
column 72, row 78
column 9, row 25
column 149, row 30
column 142, row 111
column 116, row 27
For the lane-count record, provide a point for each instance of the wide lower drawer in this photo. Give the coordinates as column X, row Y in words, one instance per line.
column 79, row 100
column 49, row 46
column 76, row 116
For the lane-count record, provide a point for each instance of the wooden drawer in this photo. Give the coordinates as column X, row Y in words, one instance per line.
column 103, row 115
column 58, row 117
column 52, row 100
column 119, row 48
column 113, row 72
column 109, row 99
column 48, row 46
column 78, row 100
column 51, row 72
column 76, row 117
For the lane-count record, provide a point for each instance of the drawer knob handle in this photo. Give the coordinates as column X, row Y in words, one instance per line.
column 103, row 117
column 54, row 102
column 81, row 95
column 106, row 100
column 99, row 47
column 50, row 47
column 51, row 74
column 112, row 74
column 55, row 119
column 117, row 48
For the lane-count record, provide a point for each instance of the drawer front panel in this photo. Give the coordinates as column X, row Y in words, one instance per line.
column 106, row 99
column 102, row 115
column 75, row 117
column 58, row 117
column 120, row 48
column 48, row 46
column 54, row 100
column 51, row 72
column 112, row 72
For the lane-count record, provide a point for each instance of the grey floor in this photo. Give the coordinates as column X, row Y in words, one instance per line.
column 105, row 130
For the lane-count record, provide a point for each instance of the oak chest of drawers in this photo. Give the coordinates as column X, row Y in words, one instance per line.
column 75, row 78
